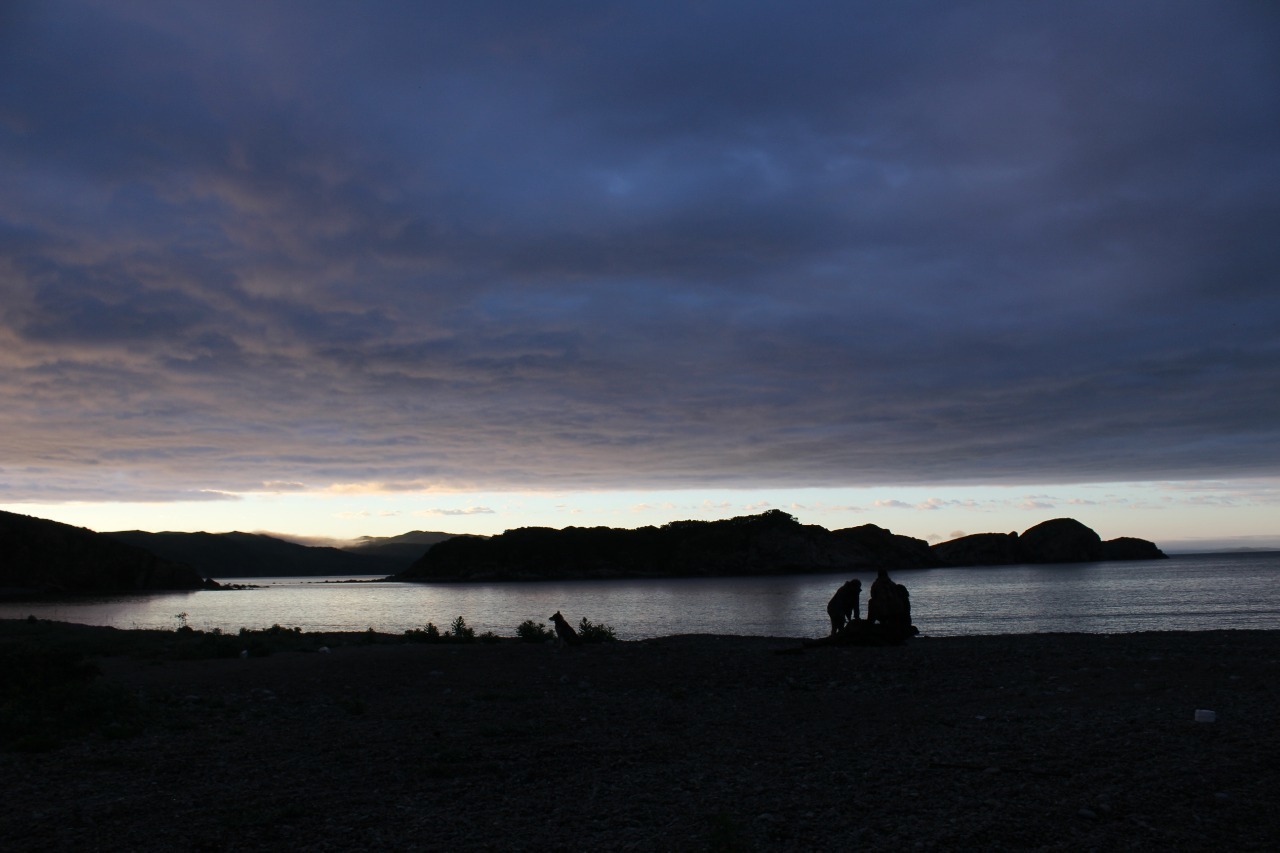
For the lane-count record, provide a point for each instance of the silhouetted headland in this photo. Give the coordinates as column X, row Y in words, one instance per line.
column 772, row 543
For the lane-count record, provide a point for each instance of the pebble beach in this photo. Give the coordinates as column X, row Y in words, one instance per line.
column 1028, row 742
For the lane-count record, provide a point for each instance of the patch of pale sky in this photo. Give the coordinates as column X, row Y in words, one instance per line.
column 469, row 510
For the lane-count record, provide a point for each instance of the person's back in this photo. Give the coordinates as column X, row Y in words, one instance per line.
column 882, row 592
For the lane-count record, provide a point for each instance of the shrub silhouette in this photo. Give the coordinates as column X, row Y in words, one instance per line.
column 592, row 633
column 534, row 632
column 459, row 630
column 429, row 634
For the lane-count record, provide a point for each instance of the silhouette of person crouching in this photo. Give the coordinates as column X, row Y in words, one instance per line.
column 843, row 606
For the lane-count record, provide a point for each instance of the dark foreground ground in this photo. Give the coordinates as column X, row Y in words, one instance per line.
column 1045, row 742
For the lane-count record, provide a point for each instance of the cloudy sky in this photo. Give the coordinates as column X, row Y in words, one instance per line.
column 337, row 268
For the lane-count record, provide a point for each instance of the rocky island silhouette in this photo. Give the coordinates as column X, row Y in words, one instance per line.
column 770, row 543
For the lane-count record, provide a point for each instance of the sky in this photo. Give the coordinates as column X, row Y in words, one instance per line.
column 333, row 269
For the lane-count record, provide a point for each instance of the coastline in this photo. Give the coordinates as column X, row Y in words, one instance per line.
column 688, row 742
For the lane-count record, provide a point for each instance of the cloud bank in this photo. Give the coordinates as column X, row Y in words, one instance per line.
column 502, row 245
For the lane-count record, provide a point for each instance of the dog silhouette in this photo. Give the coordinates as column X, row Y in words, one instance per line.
column 564, row 630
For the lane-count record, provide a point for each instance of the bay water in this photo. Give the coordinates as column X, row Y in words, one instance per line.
column 1187, row 592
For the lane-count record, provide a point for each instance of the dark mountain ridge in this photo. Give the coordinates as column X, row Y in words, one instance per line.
column 404, row 548
column 42, row 557
column 243, row 555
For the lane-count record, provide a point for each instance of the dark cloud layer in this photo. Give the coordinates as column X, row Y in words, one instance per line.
column 503, row 244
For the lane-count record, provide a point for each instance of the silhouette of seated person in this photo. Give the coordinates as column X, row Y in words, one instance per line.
column 844, row 605
column 904, row 605
column 889, row 607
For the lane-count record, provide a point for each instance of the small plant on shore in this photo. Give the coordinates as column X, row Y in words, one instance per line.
column 593, row 633
column 254, row 643
column 459, row 631
column 534, row 632
column 429, row 634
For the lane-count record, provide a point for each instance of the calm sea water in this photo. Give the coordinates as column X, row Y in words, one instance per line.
column 1192, row 592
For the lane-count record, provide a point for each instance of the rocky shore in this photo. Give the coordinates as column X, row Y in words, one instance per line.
column 1041, row 742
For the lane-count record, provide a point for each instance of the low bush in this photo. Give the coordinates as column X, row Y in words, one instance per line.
column 593, row 633
column 459, row 632
column 429, row 634
column 533, row 632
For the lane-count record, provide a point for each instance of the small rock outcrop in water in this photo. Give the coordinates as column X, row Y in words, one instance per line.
column 38, row 556
column 771, row 543
column 1129, row 548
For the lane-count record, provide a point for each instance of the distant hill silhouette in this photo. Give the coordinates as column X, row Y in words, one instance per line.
column 38, row 556
column 243, row 555
column 771, row 543
column 405, row 548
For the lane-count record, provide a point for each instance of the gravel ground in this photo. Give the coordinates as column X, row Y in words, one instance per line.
column 1041, row 742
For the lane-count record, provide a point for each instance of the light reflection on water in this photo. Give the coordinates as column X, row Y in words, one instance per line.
column 1199, row 592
